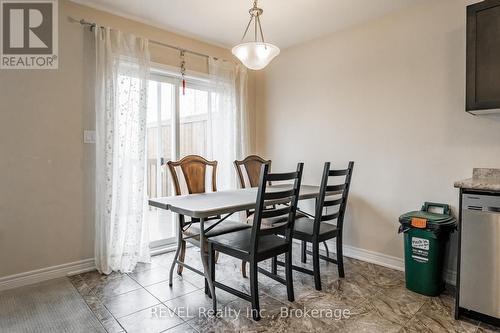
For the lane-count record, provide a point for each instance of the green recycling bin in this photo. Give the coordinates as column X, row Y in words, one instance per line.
column 425, row 235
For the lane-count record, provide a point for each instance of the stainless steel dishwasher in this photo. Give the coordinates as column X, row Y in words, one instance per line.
column 480, row 255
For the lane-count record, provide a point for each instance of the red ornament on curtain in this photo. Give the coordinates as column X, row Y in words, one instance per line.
column 183, row 72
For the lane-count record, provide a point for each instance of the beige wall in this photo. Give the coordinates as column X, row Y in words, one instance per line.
column 389, row 95
column 46, row 215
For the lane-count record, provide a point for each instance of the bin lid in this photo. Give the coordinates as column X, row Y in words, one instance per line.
column 425, row 219
column 431, row 218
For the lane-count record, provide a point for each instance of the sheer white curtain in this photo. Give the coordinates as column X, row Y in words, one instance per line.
column 228, row 123
column 122, row 71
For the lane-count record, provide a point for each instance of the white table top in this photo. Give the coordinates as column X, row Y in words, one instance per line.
column 222, row 202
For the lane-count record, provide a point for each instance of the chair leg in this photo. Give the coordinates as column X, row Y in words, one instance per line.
column 274, row 265
column 326, row 249
column 254, row 290
column 303, row 254
column 177, row 251
column 317, row 275
column 289, row 275
column 211, row 262
column 340, row 257
column 244, row 268
column 182, row 256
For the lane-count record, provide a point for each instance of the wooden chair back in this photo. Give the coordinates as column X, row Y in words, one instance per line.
column 286, row 199
column 252, row 166
column 333, row 197
column 194, row 172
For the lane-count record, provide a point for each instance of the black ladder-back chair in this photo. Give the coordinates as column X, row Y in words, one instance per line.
column 316, row 230
column 251, row 166
column 257, row 244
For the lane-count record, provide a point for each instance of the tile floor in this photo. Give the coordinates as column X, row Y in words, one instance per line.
column 371, row 298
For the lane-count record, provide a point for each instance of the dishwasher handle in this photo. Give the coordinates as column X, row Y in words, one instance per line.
column 492, row 209
column 481, row 203
column 486, row 209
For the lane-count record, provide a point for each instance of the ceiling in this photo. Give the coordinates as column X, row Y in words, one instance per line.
column 285, row 22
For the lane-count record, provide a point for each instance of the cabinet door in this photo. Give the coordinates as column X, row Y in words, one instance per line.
column 483, row 56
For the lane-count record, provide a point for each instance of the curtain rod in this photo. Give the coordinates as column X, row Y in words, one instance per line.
column 93, row 25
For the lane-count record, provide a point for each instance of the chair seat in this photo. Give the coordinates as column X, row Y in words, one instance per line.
column 222, row 228
column 267, row 223
column 303, row 229
column 238, row 244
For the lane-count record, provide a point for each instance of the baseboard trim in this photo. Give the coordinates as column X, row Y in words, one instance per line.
column 165, row 249
column 385, row 260
column 47, row 273
column 374, row 257
column 86, row 265
column 53, row 272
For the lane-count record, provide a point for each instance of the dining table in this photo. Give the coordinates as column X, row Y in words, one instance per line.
column 203, row 206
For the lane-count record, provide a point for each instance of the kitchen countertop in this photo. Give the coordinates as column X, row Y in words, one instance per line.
column 482, row 179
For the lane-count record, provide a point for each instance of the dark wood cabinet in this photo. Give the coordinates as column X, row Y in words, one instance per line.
column 483, row 57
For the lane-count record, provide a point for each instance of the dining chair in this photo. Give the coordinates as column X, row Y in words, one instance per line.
column 316, row 230
column 248, row 171
column 257, row 244
column 198, row 176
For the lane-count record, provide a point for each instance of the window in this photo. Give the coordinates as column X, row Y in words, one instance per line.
column 193, row 112
column 177, row 125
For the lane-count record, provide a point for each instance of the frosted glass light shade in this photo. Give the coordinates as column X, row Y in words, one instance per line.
column 255, row 55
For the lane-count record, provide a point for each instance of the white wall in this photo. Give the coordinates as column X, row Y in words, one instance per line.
column 389, row 95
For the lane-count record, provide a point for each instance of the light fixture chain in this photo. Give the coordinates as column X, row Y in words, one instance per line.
column 248, row 26
column 261, row 33
column 255, row 28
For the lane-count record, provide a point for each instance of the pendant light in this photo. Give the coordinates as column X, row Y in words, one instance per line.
column 257, row 54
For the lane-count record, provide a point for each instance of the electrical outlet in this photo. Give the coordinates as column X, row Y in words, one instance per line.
column 88, row 136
